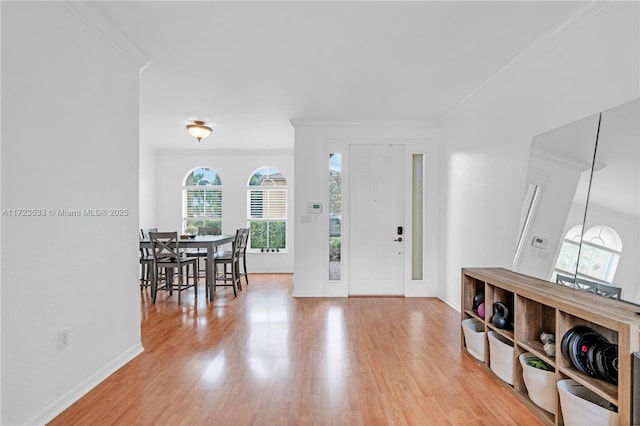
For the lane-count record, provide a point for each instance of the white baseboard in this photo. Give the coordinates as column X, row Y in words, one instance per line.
column 455, row 306
column 309, row 294
column 65, row 401
column 420, row 289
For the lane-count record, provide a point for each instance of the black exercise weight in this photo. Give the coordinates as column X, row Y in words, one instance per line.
column 591, row 353
column 500, row 315
column 478, row 298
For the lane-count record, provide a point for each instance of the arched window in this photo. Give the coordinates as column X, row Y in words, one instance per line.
column 599, row 253
column 267, row 210
column 202, row 200
column 568, row 255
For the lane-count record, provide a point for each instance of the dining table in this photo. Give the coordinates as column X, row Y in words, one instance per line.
column 208, row 242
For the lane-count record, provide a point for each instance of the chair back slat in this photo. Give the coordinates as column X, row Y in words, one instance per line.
column 244, row 241
column 608, row 291
column 237, row 244
column 165, row 246
column 144, row 232
column 243, row 255
column 144, row 235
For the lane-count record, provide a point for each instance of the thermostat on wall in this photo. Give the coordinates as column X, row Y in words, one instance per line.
column 539, row 242
column 314, row 208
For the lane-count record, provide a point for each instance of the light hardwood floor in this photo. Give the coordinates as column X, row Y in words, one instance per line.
column 266, row 358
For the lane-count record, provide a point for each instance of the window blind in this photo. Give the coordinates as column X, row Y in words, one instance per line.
column 267, row 204
column 204, row 203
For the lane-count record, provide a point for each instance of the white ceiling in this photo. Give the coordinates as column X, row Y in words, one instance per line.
column 246, row 68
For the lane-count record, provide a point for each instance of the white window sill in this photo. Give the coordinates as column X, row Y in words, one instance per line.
column 258, row 251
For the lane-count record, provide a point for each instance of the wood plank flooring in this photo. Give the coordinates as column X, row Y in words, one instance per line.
column 266, row 358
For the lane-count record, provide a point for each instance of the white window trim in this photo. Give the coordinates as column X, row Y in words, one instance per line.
column 185, row 194
column 283, row 218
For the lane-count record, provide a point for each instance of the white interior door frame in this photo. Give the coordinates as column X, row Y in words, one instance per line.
column 427, row 286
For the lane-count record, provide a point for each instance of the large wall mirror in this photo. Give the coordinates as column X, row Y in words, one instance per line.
column 580, row 221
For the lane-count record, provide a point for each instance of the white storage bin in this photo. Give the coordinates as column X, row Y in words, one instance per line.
column 501, row 356
column 474, row 337
column 541, row 384
column 580, row 406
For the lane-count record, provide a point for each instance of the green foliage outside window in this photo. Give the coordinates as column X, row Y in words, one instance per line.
column 205, row 223
column 335, row 193
column 335, row 249
column 268, row 235
column 204, row 176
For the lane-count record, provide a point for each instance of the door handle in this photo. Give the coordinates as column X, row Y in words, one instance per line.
column 398, row 239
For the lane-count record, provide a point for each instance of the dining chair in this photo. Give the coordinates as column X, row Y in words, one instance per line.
column 590, row 286
column 243, row 255
column 165, row 247
column 608, row 291
column 144, row 232
column 576, row 283
column 146, row 260
column 566, row 281
column 229, row 277
column 146, row 264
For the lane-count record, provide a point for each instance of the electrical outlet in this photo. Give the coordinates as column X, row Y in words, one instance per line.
column 63, row 338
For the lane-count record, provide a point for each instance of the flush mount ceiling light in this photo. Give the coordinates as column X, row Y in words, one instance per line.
column 198, row 130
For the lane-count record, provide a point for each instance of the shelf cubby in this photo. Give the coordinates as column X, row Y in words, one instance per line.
column 539, row 318
column 507, row 333
column 540, row 306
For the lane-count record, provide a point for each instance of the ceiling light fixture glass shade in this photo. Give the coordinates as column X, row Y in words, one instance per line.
column 198, row 130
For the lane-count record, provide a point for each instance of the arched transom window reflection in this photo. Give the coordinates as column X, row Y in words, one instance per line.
column 599, row 254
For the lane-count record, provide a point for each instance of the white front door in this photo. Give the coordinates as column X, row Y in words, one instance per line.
column 376, row 254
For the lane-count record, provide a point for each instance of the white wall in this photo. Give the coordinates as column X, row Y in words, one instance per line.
column 588, row 67
column 148, row 175
column 69, row 141
column 313, row 143
column 235, row 168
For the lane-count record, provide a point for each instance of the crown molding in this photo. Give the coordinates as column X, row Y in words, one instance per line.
column 223, row 151
column 363, row 123
column 543, row 43
column 85, row 13
column 566, row 161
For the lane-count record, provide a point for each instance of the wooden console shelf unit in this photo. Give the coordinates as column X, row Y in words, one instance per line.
column 539, row 306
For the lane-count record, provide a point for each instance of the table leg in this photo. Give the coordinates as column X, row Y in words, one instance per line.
column 210, row 271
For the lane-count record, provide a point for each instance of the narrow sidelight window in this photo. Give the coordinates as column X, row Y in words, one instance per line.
column 335, row 217
column 417, row 214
